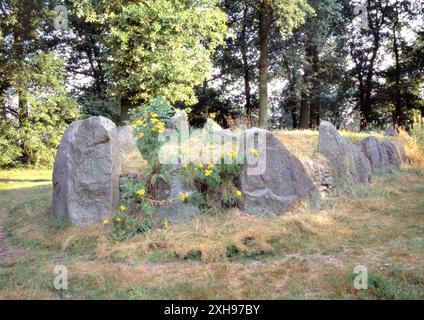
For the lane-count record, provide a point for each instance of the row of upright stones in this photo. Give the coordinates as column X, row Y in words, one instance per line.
column 352, row 166
column 87, row 172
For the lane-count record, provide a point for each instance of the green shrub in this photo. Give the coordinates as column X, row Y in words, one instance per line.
column 214, row 184
column 136, row 207
column 148, row 122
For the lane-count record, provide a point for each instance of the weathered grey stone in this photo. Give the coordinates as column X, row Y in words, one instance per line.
column 86, row 172
column 179, row 122
column 321, row 176
column 127, row 141
column 280, row 180
column 377, row 155
column 211, row 126
column 350, row 168
column 394, row 156
column 362, row 165
column 174, row 209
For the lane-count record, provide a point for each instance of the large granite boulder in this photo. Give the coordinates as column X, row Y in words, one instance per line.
column 172, row 208
column 350, row 168
column 127, row 141
column 274, row 179
column 179, row 122
column 394, row 153
column 86, row 172
column 377, row 155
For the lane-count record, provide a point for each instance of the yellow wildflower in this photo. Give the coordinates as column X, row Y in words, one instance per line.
column 232, row 154
column 122, row 208
column 254, row 152
column 238, row 193
column 165, row 223
column 154, row 120
column 211, row 166
column 212, row 115
column 200, row 165
column 118, row 219
column 141, row 192
column 154, row 115
column 105, row 222
column 188, row 110
column 183, row 197
column 141, row 135
column 208, row 172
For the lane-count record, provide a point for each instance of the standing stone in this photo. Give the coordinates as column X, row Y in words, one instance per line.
column 280, row 181
column 173, row 208
column 127, row 141
column 179, row 122
column 393, row 153
column 211, row 126
column 86, row 172
column 377, row 155
column 350, row 167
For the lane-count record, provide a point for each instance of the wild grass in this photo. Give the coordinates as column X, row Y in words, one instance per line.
column 304, row 143
column 302, row 255
column 414, row 145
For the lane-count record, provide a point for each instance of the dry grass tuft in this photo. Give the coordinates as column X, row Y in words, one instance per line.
column 413, row 148
column 133, row 162
column 302, row 143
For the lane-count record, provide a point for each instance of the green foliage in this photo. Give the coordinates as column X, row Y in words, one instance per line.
column 8, row 144
column 159, row 48
column 44, row 111
column 125, row 227
column 394, row 282
column 148, row 122
column 136, row 212
column 213, row 184
column 137, row 209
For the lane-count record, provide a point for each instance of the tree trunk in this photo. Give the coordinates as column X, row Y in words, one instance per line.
column 264, row 29
column 315, row 94
column 398, row 114
column 305, row 110
column 294, row 118
column 422, row 117
column 125, row 107
column 247, row 88
column 3, row 102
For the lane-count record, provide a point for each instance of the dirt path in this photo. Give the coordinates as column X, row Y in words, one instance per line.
column 7, row 253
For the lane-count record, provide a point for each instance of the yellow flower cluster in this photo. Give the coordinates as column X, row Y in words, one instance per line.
column 208, row 172
column 254, row 152
column 165, row 223
column 122, row 208
column 232, row 154
column 212, row 115
column 141, row 192
column 105, row 222
column 159, row 126
column 138, row 123
column 183, row 196
column 238, row 193
column 118, row 219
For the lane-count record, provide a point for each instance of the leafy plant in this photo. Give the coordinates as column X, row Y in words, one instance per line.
column 148, row 122
column 213, row 183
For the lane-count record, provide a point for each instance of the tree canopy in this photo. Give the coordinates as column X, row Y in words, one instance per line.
column 268, row 63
